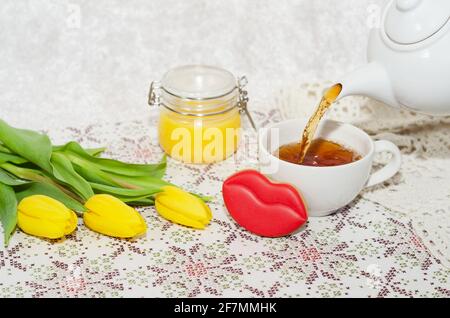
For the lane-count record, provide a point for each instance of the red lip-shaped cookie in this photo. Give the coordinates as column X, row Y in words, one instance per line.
column 262, row 207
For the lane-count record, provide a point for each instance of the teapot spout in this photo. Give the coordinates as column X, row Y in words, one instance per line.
column 370, row 80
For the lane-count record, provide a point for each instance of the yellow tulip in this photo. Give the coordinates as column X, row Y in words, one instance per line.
column 43, row 216
column 110, row 216
column 183, row 208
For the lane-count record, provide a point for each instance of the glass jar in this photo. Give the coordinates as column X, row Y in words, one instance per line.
column 200, row 115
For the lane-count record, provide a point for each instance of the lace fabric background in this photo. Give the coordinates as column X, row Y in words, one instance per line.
column 421, row 190
column 367, row 249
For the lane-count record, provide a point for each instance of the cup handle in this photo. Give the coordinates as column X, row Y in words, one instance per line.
column 391, row 168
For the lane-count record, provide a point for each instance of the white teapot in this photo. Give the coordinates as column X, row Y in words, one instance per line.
column 409, row 58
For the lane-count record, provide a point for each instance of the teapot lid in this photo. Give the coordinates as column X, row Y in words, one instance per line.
column 412, row 21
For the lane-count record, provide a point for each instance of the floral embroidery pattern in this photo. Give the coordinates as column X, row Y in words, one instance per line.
column 364, row 250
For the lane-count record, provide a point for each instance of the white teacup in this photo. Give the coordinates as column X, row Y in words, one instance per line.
column 326, row 189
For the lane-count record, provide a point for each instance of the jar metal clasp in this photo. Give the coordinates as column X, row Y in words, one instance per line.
column 243, row 99
column 154, row 97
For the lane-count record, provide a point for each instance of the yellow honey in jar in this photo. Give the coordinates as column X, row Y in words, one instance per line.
column 199, row 118
column 195, row 140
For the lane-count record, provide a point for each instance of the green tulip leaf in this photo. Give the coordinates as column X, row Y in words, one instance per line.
column 8, row 157
column 160, row 170
column 77, row 154
column 137, row 201
column 141, row 202
column 64, row 172
column 39, row 188
column 8, row 211
column 204, row 198
column 95, row 152
column 8, row 179
column 142, row 182
column 91, row 151
column 26, row 173
column 120, row 192
column 4, row 149
column 28, row 144
column 95, row 175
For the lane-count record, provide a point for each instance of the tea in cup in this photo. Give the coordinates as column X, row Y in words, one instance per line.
column 326, row 187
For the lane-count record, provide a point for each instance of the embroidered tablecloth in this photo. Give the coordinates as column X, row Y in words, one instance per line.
column 366, row 249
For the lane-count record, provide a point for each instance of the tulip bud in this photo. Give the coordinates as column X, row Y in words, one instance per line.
column 43, row 216
column 183, row 208
column 110, row 216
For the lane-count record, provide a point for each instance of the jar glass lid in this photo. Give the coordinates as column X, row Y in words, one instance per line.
column 198, row 82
